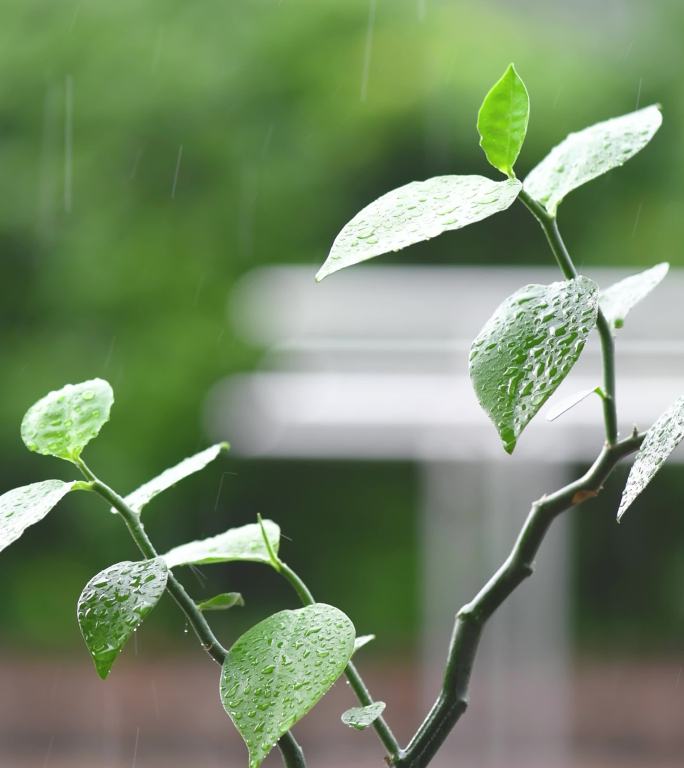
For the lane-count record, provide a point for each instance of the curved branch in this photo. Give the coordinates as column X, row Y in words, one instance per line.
column 470, row 620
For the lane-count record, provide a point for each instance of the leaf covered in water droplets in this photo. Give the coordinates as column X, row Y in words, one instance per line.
column 63, row 422
column 527, row 348
column 114, row 603
column 584, row 155
column 245, row 543
column 416, row 212
column 361, row 717
column 169, row 477
column 661, row 439
column 502, row 121
column 25, row 506
column 620, row 298
column 280, row 668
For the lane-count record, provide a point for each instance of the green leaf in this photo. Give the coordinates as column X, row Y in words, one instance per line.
column 570, row 402
column 280, row 668
column 27, row 505
column 244, row 543
column 661, row 439
column 169, row 477
column 222, row 602
column 527, row 348
column 361, row 641
column 619, row 299
column 114, row 603
column 361, row 717
column 592, row 152
column 416, row 212
column 502, row 121
column 63, row 422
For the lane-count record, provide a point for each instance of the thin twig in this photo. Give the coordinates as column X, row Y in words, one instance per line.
column 291, row 752
column 550, row 226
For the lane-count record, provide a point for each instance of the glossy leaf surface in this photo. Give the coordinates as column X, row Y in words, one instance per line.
column 416, row 212
column 27, row 505
column 277, row 671
column 661, row 439
column 527, row 348
column 361, row 717
column 245, row 543
column 620, row 298
column 502, row 121
column 584, row 155
column 113, row 605
column 222, row 602
column 169, row 477
column 63, row 422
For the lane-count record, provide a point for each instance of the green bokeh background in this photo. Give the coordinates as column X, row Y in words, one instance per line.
column 213, row 137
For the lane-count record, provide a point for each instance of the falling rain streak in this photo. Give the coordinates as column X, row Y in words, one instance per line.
column 368, row 50
column 68, row 140
column 176, row 172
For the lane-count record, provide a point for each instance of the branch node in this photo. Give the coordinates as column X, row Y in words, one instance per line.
column 584, row 494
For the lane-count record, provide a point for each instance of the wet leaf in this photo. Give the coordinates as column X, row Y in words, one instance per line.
column 619, row 299
column 169, row 477
column 416, row 212
column 584, row 155
column 361, row 717
column 527, row 348
column 280, row 668
column 63, row 422
column 27, row 505
column 661, row 439
column 222, row 602
column 502, row 121
column 113, row 605
column 245, row 543
column 361, row 641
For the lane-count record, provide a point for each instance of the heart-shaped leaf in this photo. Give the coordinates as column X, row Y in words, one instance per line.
column 620, row 298
column 527, row 348
column 502, row 121
column 222, row 602
column 361, row 717
column 661, row 439
column 25, row 506
column 63, row 422
column 416, row 212
column 244, row 543
column 169, row 477
column 114, row 603
column 280, row 668
column 584, row 155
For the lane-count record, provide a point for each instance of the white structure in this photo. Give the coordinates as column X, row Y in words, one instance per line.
column 372, row 363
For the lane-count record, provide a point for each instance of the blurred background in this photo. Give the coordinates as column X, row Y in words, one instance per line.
column 153, row 157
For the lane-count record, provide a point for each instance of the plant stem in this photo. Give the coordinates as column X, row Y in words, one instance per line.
column 355, row 680
column 550, row 226
column 470, row 620
column 291, row 752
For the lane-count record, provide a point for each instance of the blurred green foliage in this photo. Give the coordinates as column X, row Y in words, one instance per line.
column 211, row 137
